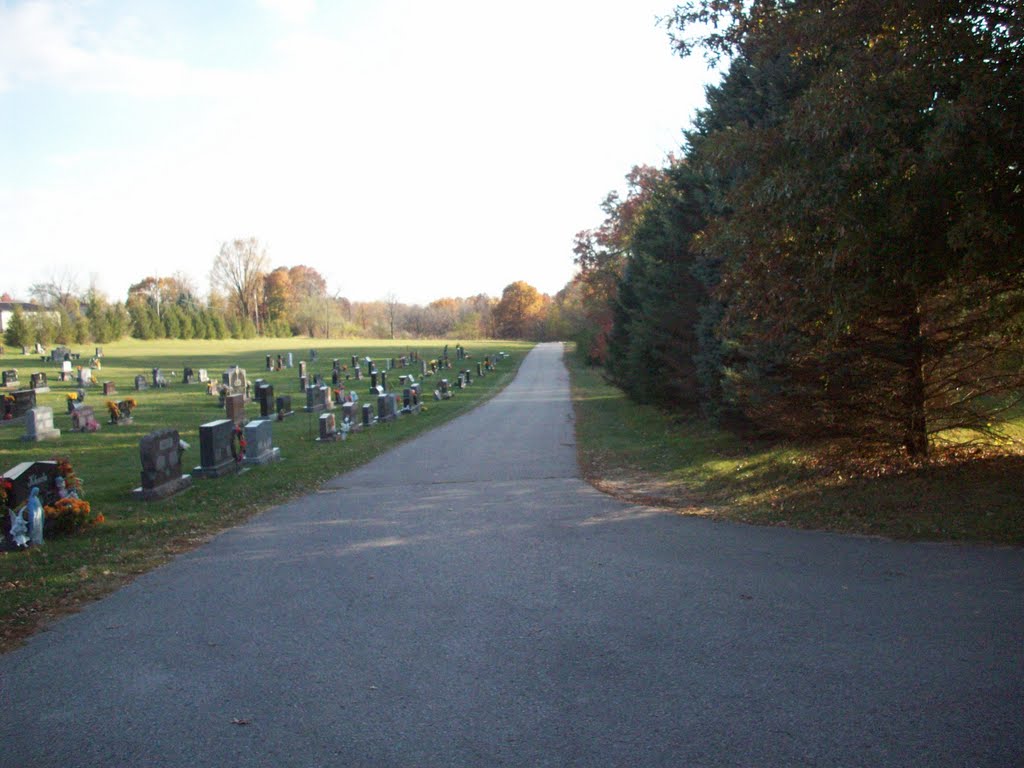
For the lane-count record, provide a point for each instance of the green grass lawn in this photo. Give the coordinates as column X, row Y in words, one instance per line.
column 137, row 536
column 643, row 454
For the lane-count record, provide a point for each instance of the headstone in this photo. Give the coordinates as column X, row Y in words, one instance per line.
column 109, row 388
column 140, row 383
column 158, row 378
column 479, row 370
column 303, row 383
column 410, row 401
column 284, row 407
column 358, row 373
column 60, row 354
column 39, row 424
column 204, row 377
column 37, row 381
column 373, row 381
column 290, row 364
column 328, row 431
column 368, row 418
column 445, row 390
column 335, row 377
column 324, row 400
column 18, row 403
column 313, row 355
column 160, row 454
column 28, row 475
column 270, row 363
column 10, row 377
column 83, row 419
column 265, row 397
column 215, row 449
column 235, row 380
column 302, row 368
column 234, row 406
column 312, row 400
column 460, row 382
column 259, row 448
column 84, row 376
column 350, row 414
column 188, row 376
column 384, row 380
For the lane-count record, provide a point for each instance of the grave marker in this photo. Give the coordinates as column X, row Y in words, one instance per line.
column 216, row 451
column 39, row 424
column 259, row 439
column 160, row 455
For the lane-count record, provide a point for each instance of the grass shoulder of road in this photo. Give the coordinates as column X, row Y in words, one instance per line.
column 642, row 454
column 41, row 583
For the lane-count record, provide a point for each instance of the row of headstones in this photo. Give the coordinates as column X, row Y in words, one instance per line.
column 219, row 454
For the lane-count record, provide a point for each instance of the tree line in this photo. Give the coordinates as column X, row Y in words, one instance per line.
column 837, row 251
column 249, row 299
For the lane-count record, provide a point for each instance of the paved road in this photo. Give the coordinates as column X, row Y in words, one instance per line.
column 467, row 600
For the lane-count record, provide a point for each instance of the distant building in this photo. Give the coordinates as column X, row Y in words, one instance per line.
column 27, row 308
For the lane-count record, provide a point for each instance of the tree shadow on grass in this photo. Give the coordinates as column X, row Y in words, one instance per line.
column 979, row 499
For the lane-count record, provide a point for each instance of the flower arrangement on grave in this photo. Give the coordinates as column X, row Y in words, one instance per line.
column 238, row 444
column 72, row 483
column 69, row 513
column 122, row 410
column 6, row 486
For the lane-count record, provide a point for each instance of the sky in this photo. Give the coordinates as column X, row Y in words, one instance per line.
column 401, row 148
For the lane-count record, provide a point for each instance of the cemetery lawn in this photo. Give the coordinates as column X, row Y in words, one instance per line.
column 965, row 492
column 41, row 583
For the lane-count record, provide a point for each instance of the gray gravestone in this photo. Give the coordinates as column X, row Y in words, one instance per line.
column 39, row 424
column 328, row 432
column 259, row 439
column 160, row 454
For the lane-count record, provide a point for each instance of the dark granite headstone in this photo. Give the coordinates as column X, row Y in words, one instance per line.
column 22, row 400
column 109, row 388
column 284, row 406
column 140, row 382
column 160, row 454
column 367, row 415
column 265, row 397
column 38, row 381
column 188, row 376
column 28, row 475
column 215, row 456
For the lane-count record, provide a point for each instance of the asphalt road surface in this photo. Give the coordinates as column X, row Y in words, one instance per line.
column 466, row 600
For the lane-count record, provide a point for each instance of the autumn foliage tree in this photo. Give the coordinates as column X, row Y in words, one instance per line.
column 519, row 312
column 869, row 204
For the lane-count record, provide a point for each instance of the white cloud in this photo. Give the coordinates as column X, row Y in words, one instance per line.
column 292, row 11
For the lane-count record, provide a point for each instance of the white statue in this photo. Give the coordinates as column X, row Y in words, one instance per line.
column 62, row 489
column 19, row 528
column 34, row 510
